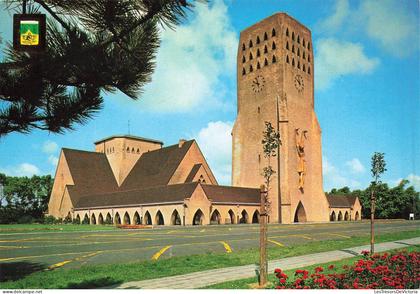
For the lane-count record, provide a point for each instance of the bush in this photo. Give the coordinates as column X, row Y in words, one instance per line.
column 396, row 271
column 85, row 221
column 25, row 219
column 76, row 221
column 67, row 220
column 49, row 220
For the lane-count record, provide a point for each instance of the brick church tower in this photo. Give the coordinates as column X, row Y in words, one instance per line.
column 275, row 70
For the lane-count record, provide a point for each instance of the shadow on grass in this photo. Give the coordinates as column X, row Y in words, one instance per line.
column 94, row 283
column 13, row 271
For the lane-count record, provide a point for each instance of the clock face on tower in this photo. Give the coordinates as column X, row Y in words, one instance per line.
column 258, row 83
column 299, row 83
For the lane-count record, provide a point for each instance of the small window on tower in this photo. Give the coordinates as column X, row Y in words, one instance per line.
column 132, row 150
column 303, row 54
column 243, row 46
column 243, row 59
column 303, row 67
column 293, row 48
column 298, row 39
column 251, row 69
column 259, row 158
column 265, row 62
column 250, row 56
column 298, row 66
column 250, row 43
column 138, row 150
column 265, row 37
column 287, row 58
column 298, row 53
column 287, row 32
column 273, row 46
column 273, row 33
column 243, row 71
column 128, row 149
column 309, row 70
column 309, row 46
column 258, row 65
column 274, row 59
column 293, row 62
column 287, row 45
column 293, row 36
column 258, row 39
column 258, row 109
column 258, row 53
column 265, row 49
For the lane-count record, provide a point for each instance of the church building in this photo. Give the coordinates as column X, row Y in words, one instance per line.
column 134, row 180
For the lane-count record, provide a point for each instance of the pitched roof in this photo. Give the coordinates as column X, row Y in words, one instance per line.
column 155, row 168
column 335, row 200
column 129, row 137
column 161, row 194
column 90, row 171
column 228, row 194
column 193, row 172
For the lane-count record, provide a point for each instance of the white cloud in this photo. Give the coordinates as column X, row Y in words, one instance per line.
column 192, row 62
column 333, row 22
column 215, row 142
column 414, row 180
column 392, row 24
column 355, row 166
column 49, row 147
column 53, row 160
column 336, row 178
column 336, row 58
column 21, row 170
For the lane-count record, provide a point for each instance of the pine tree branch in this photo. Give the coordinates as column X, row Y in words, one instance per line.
column 53, row 14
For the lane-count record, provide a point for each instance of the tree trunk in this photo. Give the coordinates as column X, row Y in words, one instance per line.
column 372, row 221
column 263, row 238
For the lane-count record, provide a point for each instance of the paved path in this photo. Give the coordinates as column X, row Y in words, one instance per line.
column 205, row 278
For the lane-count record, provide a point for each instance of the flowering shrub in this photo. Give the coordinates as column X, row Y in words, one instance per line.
column 396, row 271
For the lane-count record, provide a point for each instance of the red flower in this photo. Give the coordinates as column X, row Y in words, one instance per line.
column 365, row 252
column 282, row 281
column 331, row 266
column 318, row 269
column 358, row 269
column 277, row 270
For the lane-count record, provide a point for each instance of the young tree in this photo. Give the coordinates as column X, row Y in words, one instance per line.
column 378, row 167
column 270, row 142
column 93, row 47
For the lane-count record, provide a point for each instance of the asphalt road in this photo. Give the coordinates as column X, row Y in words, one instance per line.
column 73, row 249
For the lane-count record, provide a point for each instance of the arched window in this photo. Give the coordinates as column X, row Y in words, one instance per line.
column 127, row 219
column 273, row 33
column 215, row 218
column 175, row 218
column 287, row 58
column 231, row 219
column 136, row 219
column 258, row 39
column 340, row 216
column 265, row 62
column 293, row 36
column 256, row 217
column 132, row 150
column 265, row 49
column 287, row 45
column 309, row 70
column 78, row 219
column 309, row 58
column 273, row 46
column 274, row 59
column 128, row 149
column 298, row 39
column 159, row 218
column 93, row 219
column 86, row 220
column 303, row 54
column 258, row 53
column 258, row 65
column 293, row 62
column 250, row 56
column 250, row 43
column 117, row 219
column 243, row 59
column 309, row 46
column 293, row 48
column 250, row 68
column 303, row 67
column 138, row 150
column 147, row 219
column 244, row 217
column 298, row 66
column 243, row 71
column 198, row 218
column 333, row 218
column 243, row 46
column 113, row 150
column 265, row 37
column 108, row 219
column 100, row 219
column 298, row 53
column 287, row 32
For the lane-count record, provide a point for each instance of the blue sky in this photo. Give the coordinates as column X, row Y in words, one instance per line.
column 367, row 82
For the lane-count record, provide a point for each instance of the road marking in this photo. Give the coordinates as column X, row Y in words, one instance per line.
column 339, row 235
column 160, row 252
column 60, row 264
column 227, row 247
column 275, row 242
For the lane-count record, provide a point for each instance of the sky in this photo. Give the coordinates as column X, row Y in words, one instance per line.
column 367, row 90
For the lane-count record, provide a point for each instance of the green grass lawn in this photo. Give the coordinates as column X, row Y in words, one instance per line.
column 248, row 283
column 24, row 228
column 92, row 276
